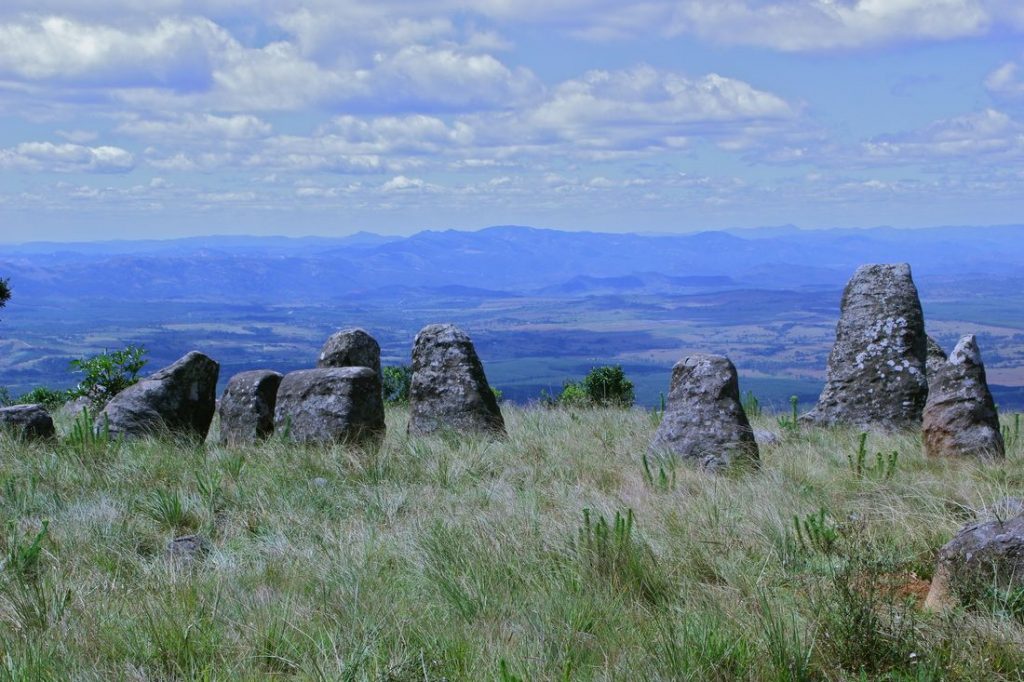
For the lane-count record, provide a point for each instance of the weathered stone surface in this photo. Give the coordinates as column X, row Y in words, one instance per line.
column 350, row 348
column 876, row 370
column 960, row 418
column 178, row 400
column 449, row 389
column 246, row 407
column 704, row 420
column 31, row 422
column 331, row 404
column 188, row 547
column 766, row 437
column 982, row 556
column 935, row 357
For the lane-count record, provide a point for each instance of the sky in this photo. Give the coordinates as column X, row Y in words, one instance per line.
column 165, row 118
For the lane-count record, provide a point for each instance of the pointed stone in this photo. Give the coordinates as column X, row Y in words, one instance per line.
column 935, row 357
column 246, row 407
column 449, row 390
column 960, row 418
column 178, row 400
column 704, row 419
column 876, row 370
column 350, row 348
column 330, row 405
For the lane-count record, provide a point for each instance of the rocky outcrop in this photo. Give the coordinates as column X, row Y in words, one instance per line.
column 246, row 407
column 178, row 400
column 982, row 558
column 330, row 405
column 960, row 418
column 876, row 370
column 29, row 422
column 704, row 419
column 935, row 357
column 350, row 348
column 449, row 389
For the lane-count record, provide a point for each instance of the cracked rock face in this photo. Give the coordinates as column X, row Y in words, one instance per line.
column 246, row 408
column 449, row 390
column 704, row 419
column 350, row 348
column 960, row 418
column 180, row 400
column 332, row 404
column 876, row 376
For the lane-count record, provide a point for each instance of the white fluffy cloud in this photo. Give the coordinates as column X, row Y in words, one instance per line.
column 1005, row 81
column 66, row 158
column 982, row 134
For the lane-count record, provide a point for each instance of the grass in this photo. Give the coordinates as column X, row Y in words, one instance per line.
column 558, row 554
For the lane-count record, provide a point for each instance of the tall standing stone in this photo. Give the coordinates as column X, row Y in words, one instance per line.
column 330, row 405
column 180, row 399
column 960, row 418
column 246, row 407
column 704, row 420
column 876, row 370
column 449, row 389
column 350, row 348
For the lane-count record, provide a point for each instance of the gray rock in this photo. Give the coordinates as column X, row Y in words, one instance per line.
column 319, row 482
column 704, row 420
column 766, row 437
column 188, row 547
column 981, row 557
column 449, row 390
column 333, row 404
column 246, row 407
column 350, row 348
column 876, row 370
column 935, row 357
column 178, row 400
column 960, row 418
column 30, row 422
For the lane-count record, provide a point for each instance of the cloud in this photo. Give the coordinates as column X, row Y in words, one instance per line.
column 205, row 127
column 976, row 136
column 66, row 158
column 1004, row 81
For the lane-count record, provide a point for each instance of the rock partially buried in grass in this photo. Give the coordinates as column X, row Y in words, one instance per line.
column 704, row 419
column 246, row 407
column 449, row 389
column 178, row 400
column 876, row 370
column 188, row 547
column 336, row 404
column 30, row 422
column 982, row 560
column 350, row 348
column 960, row 418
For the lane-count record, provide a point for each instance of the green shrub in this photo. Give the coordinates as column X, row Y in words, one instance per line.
column 605, row 386
column 49, row 398
column 107, row 374
column 397, row 381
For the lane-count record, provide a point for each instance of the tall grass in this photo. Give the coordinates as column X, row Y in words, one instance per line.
column 559, row 553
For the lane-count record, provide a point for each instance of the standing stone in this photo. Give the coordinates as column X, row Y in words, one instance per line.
column 178, row 400
column 332, row 404
column 30, row 422
column 704, row 420
column 876, row 371
column 449, row 389
column 350, row 348
column 246, row 407
column 981, row 558
column 935, row 358
column 960, row 418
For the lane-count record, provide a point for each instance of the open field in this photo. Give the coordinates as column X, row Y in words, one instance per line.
column 463, row 559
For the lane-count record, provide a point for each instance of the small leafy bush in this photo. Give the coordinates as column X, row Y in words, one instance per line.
column 49, row 398
column 605, row 386
column 108, row 373
column 397, row 381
